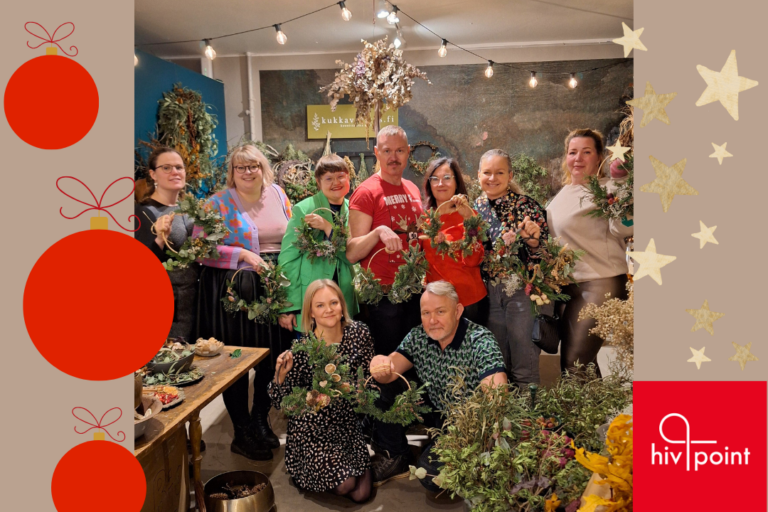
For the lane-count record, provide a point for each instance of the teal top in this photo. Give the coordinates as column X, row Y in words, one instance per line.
column 301, row 272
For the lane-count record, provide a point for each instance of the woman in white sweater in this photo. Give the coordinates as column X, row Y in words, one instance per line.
column 603, row 269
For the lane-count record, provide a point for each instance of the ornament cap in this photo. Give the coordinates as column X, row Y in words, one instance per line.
column 98, row 436
column 51, row 51
column 99, row 222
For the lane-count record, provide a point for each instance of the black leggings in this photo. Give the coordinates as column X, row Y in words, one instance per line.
column 576, row 342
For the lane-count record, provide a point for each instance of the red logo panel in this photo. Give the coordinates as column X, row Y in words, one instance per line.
column 700, row 446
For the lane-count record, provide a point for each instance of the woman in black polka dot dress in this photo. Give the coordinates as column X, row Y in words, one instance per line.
column 326, row 451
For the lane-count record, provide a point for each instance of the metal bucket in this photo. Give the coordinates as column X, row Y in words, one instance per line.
column 262, row 501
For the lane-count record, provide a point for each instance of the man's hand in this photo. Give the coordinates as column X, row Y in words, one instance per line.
column 381, row 369
column 389, row 238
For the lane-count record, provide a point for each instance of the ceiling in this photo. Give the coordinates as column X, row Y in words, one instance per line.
column 473, row 24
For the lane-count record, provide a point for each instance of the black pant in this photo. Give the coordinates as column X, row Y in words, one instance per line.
column 389, row 324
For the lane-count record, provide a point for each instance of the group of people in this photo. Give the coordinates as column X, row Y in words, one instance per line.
column 461, row 319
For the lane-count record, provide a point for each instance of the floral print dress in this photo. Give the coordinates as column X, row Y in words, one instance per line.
column 324, row 449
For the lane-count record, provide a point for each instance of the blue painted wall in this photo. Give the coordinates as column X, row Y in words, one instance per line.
column 153, row 77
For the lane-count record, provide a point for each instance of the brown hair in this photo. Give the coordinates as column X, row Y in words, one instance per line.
column 330, row 163
column 306, row 309
column 588, row 133
column 143, row 196
column 461, row 188
column 246, row 155
column 513, row 186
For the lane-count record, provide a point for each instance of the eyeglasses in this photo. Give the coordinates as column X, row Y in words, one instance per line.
column 330, row 180
column 434, row 180
column 168, row 168
column 250, row 168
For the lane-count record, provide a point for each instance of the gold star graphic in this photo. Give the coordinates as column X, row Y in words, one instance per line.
column 617, row 151
column 653, row 105
column 720, row 152
column 669, row 182
column 698, row 357
column 651, row 262
column 705, row 235
column 630, row 40
column 704, row 318
column 724, row 86
column 742, row 354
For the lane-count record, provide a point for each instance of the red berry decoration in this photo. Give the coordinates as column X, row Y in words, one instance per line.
column 51, row 101
column 98, row 304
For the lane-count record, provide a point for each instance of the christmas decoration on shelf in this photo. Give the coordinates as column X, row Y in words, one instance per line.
column 378, row 80
column 66, row 303
column 267, row 308
column 306, row 238
column 51, row 91
column 90, row 475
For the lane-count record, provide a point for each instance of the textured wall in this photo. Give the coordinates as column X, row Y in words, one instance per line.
column 463, row 112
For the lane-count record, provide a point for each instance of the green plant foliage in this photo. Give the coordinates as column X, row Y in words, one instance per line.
column 530, row 176
column 201, row 247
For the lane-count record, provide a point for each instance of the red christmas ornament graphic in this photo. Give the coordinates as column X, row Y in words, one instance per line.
column 51, row 101
column 98, row 475
column 98, row 304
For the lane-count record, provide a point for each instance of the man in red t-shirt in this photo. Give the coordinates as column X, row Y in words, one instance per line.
column 383, row 213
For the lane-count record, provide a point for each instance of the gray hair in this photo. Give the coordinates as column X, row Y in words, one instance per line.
column 443, row 289
column 389, row 131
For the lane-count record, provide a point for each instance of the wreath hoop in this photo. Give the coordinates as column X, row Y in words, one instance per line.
column 417, row 166
column 370, row 290
column 307, row 244
column 265, row 309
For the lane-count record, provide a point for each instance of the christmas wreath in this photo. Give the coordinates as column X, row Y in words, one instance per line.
column 308, row 244
column 200, row 247
column 619, row 204
column 417, row 166
column 475, row 232
column 265, row 309
column 500, row 264
column 331, row 382
column 545, row 278
column 409, row 279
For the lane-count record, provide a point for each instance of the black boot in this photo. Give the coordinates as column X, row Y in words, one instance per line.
column 248, row 446
column 261, row 429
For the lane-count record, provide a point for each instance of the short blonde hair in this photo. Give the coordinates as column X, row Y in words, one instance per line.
column 443, row 289
column 306, row 308
column 247, row 155
column 587, row 133
column 389, row 131
column 513, row 186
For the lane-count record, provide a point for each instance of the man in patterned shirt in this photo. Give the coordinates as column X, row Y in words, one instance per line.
column 442, row 341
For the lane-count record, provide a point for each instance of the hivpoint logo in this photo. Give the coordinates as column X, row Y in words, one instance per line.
column 700, row 446
column 700, row 458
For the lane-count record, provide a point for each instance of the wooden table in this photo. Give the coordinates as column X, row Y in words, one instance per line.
column 221, row 371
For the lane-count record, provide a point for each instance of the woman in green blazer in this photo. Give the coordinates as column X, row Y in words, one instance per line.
column 332, row 177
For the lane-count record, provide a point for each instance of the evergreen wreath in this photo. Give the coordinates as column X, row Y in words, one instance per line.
column 475, row 232
column 409, row 279
column 407, row 408
column 619, row 204
column 417, row 166
column 200, row 247
column 314, row 249
column 267, row 308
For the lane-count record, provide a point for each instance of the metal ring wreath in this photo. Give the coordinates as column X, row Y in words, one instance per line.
column 267, row 308
column 409, row 279
column 308, row 244
column 417, row 166
column 475, row 232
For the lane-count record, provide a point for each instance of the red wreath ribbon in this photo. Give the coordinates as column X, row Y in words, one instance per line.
column 98, row 205
column 99, row 424
column 51, row 38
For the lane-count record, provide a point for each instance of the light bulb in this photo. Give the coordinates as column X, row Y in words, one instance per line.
column 533, row 82
column 392, row 17
column 346, row 14
column 443, row 51
column 382, row 11
column 489, row 69
column 399, row 41
column 281, row 38
column 209, row 51
column 572, row 83
column 135, row 60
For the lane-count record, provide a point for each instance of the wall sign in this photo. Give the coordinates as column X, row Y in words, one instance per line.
column 341, row 123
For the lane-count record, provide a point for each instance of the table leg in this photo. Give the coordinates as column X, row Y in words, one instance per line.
column 195, row 436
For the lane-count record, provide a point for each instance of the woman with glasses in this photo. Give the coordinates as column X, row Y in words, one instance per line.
column 320, row 211
column 510, row 213
column 256, row 212
column 158, row 224
column 444, row 189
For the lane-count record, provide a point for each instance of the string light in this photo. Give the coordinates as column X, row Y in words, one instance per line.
column 533, row 82
column 209, row 51
column 443, row 51
column 135, row 60
column 399, row 41
column 346, row 14
column 281, row 38
column 382, row 11
column 392, row 17
column 572, row 83
column 489, row 69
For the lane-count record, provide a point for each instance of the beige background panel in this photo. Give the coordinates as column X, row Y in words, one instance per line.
column 37, row 426
column 732, row 196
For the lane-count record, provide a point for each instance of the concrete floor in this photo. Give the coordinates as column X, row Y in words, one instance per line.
column 399, row 495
